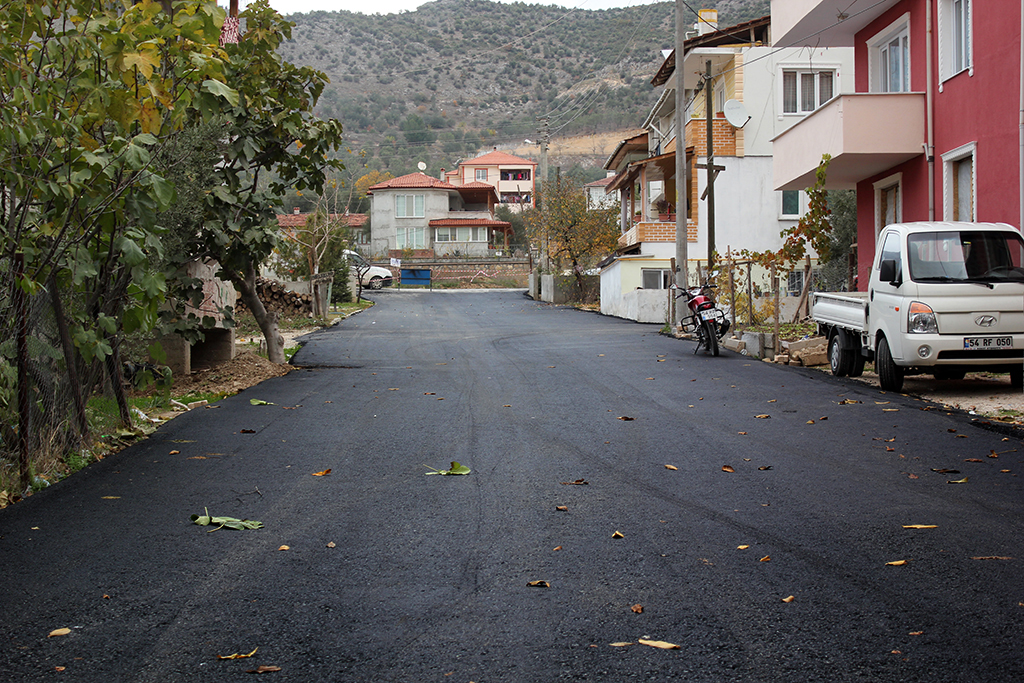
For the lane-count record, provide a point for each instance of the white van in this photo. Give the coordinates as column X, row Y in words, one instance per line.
column 373, row 277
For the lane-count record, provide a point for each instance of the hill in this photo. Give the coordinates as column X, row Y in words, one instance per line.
column 455, row 77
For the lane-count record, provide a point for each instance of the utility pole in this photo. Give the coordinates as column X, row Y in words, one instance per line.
column 539, row 181
column 709, row 114
column 680, row 269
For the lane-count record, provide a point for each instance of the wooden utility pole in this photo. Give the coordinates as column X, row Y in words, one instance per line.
column 679, row 270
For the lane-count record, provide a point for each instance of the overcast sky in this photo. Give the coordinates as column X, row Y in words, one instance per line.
column 395, row 6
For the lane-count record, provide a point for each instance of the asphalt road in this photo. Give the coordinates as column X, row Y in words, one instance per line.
column 391, row 575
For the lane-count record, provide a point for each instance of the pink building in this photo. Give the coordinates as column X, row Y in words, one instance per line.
column 512, row 177
column 932, row 131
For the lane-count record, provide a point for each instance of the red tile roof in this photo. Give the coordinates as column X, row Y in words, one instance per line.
column 468, row 222
column 412, row 181
column 601, row 183
column 496, row 158
column 298, row 220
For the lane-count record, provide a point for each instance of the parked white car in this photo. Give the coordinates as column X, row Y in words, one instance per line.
column 372, row 277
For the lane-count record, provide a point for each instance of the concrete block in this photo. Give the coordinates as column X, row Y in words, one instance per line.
column 734, row 344
column 811, row 359
column 801, row 344
column 782, row 358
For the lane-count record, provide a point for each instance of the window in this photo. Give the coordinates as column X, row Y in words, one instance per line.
column 958, row 187
column 805, row 91
column 891, row 251
column 516, row 174
column 409, row 206
column 795, row 283
column 515, row 198
column 791, row 203
column 888, row 201
column 889, row 56
column 442, row 235
column 481, row 175
column 955, row 37
column 410, row 238
column 460, row 234
column 656, row 278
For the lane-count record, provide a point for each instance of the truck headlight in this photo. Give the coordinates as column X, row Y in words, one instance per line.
column 921, row 319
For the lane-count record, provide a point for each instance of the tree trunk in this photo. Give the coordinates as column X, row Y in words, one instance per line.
column 267, row 320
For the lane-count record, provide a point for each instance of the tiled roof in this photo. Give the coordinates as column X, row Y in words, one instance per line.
column 601, row 183
column 412, row 181
column 298, row 220
column 497, row 158
column 476, row 185
column 468, row 222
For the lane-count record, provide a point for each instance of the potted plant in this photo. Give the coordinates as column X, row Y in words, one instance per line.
column 664, row 209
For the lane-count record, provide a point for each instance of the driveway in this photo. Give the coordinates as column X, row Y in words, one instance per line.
column 660, row 496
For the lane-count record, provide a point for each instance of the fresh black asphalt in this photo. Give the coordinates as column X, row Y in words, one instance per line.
column 391, row 575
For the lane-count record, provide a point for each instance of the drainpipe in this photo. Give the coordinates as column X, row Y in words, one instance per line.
column 929, row 150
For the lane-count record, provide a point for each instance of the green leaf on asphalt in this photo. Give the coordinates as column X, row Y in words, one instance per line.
column 258, row 402
column 456, row 468
column 222, row 522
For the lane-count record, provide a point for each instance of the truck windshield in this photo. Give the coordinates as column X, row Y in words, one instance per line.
column 966, row 256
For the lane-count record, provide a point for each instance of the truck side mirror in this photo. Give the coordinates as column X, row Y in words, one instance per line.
column 887, row 272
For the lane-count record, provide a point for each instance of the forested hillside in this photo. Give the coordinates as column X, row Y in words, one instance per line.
column 456, row 77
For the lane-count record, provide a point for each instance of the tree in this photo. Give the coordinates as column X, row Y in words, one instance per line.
column 570, row 233
column 272, row 145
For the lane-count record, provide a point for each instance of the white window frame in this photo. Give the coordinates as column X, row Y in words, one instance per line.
column 402, row 236
column 949, row 162
column 948, row 40
column 803, row 68
column 664, row 281
column 878, row 43
column 481, row 175
column 895, row 180
column 446, row 231
column 402, row 206
column 801, row 206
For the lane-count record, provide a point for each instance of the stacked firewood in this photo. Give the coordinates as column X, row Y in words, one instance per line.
column 276, row 298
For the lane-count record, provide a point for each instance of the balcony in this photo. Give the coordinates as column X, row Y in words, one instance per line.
column 866, row 134
column 648, row 231
column 813, row 22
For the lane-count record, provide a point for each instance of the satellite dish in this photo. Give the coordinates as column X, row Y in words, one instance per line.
column 422, row 166
column 735, row 113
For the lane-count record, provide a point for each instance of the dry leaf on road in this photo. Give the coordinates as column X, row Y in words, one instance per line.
column 622, row 644
column 538, row 584
column 262, row 669
column 323, row 473
column 618, row 534
column 671, row 467
column 727, row 468
column 561, row 508
column 742, row 547
column 766, row 558
column 626, row 418
column 638, row 608
column 791, row 598
column 896, row 563
column 957, row 481
column 59, row 632
column 237, row 655
column 660, row 644
column 763, row 416
column 920, row 526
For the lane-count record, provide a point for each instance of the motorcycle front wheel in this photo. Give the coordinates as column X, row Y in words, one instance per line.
column 710, row 334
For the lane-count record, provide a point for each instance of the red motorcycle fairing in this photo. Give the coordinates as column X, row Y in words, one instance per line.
column 699, row 303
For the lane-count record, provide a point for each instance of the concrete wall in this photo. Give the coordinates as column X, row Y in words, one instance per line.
column 561, row 289
column 384, row 224
column 622, row 297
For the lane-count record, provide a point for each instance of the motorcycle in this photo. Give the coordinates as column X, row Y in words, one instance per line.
column 706, row 321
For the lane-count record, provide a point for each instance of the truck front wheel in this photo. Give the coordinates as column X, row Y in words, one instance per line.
column 840, row 358
column 890, row 375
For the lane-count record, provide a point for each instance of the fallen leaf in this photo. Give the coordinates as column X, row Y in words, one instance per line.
column 111, row 497
column 920, row 526
column 58, row 668
column 961, row 436
column 746, row 459
column 881, row 403
column 456, row 468
column 578, row 482
column 430, row 393
column 896, row 563
column 957, row 481
column 262, row 669
column 661, row 360
column 810, row 422
column 561, row 508
column 916, row 633
column 946, row 471
column 237, row 655
column 890, row 440
column 765, row 467
column 890, row 410
column 285, row 547
column 766, row 558
column 556, row 548
column 196, row 457
column 623, row 644
column 762, row 416
column 324, row 473
column 671, row 467
column 106, row 597
column 973, row 460
column 247, row 431
column 600, row 355
column 911, row 475
column 742, row 547
column 1004, row 471
column 507, row 405
column 951, row 431
column 648, row 378
column 847, row 402
column 742, row 433
column 59, row 632
column 773, row 400
column 993, row 454
column 229, row 522
column 823, row 417
column 889, row 449
column 637, row 609
column 660, row 644
column 626, row 418
column 259, row 402
column 727, row 468
column 992, row 557
column 538, row 584
column 331, row 544
column 174, row 452
column 617, row 534
column 791, row 598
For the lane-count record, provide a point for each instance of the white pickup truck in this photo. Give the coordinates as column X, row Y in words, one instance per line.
column 943, row 298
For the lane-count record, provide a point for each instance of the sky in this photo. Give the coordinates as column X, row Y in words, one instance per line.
column 395, row 6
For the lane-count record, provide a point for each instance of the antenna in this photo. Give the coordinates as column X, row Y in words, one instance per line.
column 422, row 166
column 735, row 113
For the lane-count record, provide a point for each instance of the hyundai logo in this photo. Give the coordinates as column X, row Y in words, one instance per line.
column 985, row 320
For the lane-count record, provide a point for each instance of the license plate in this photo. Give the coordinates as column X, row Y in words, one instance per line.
column 986, row 343
column 707, row 315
